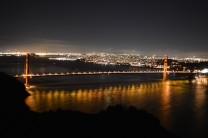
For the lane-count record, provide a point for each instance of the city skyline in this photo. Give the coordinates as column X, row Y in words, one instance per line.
column 175, row 28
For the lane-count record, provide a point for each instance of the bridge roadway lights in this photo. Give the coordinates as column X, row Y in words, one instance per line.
column 90, row 73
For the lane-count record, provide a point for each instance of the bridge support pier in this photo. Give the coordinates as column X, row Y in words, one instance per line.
column 165, row 68
column 27, row 71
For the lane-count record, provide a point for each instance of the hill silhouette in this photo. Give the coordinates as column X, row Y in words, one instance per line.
column 12, row 94
column 116, row 121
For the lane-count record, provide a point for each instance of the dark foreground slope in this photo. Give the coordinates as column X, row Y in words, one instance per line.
column 115, row 121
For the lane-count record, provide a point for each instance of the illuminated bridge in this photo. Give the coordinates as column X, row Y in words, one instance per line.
column 97, row 73
column 28, row 75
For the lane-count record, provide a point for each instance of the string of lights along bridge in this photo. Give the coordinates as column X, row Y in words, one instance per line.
column 27, row 75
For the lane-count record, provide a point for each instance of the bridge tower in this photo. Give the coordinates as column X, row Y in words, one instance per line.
column 165, row 68
column 27, row 71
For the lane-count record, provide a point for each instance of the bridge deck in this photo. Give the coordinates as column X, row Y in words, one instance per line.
column 104, row 72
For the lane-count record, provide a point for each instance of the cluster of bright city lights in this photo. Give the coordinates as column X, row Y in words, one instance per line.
column 117, row 59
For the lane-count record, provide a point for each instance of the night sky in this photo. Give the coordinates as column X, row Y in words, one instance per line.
column 147, row 27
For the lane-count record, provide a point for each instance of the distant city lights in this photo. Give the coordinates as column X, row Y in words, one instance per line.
column 204, row 71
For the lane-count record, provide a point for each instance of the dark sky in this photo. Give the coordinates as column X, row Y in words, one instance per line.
column 173, row 27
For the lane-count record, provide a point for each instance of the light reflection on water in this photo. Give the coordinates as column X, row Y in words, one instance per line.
column 91, row 99
column 177, row 103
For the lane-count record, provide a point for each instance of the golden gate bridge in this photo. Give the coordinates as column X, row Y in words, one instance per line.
column 28, row 75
